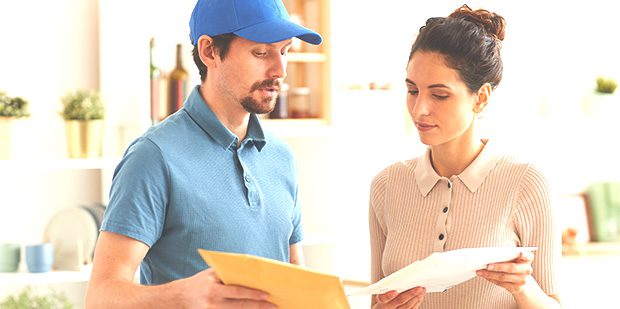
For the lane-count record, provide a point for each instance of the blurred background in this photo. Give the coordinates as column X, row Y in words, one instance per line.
column 345, row 119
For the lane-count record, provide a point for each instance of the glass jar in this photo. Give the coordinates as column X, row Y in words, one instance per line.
column 299, row 102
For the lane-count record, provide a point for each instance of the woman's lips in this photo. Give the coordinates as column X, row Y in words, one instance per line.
column 424, row 126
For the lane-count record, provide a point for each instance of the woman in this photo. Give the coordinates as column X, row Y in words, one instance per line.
column 462, row 193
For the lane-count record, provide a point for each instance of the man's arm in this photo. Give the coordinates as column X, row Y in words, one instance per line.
column 111, row 284
column 296, row 254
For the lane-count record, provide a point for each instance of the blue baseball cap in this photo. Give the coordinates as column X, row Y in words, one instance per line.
column 263, row 21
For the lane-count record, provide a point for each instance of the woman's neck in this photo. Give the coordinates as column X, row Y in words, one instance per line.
column 454, row 157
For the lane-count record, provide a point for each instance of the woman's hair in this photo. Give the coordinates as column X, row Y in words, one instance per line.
column 221, row 43
column 470, row 41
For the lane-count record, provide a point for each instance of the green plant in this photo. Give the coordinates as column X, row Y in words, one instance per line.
column 26, row 300
column 605, row 85
column 13, row 107
column 82, row 105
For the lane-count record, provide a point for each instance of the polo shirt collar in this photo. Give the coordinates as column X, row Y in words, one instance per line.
column 204, row 117
column 473, row 176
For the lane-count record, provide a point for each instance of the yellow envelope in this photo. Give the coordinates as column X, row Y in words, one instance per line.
column 289, row 286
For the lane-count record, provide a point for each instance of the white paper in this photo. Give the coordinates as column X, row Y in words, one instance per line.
column 443, row 270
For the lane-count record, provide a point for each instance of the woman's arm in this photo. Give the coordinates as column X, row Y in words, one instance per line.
column 515, row 276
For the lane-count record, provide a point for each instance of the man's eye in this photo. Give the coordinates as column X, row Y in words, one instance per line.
column 260, row 54
column 413, row 92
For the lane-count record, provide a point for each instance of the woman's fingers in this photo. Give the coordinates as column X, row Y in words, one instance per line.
column 411, row 298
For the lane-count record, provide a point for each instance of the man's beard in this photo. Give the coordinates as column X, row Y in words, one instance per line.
column 266, row 105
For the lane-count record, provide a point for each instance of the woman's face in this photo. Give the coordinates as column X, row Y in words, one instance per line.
column 440, row 104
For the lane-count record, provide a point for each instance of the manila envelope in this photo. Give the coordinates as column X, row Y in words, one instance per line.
column 289, row 286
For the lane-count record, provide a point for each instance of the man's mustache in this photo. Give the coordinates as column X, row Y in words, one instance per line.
column 268, row 83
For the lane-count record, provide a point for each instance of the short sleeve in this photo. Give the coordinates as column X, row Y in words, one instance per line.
column 139, row 194
column 297, row 234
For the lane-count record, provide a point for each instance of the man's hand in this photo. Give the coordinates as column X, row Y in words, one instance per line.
column 409, row 299
column 206, row 290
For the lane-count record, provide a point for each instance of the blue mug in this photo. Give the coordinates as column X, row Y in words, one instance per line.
column 40, row 257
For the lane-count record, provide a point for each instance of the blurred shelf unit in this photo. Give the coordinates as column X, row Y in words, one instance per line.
column 306, row 57
column 59, row 164
column 593, row 249
column 47, row 278
column 297, row 127
column 308, row 71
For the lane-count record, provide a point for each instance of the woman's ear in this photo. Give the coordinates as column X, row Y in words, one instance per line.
column 484, row 94
column 206, row 51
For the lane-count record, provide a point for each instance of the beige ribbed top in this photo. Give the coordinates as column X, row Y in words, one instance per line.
column 496, row 201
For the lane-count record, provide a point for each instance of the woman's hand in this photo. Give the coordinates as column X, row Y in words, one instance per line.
column 512, row 275
column 409, row 299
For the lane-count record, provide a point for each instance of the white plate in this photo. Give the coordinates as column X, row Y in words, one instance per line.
column 74, row 232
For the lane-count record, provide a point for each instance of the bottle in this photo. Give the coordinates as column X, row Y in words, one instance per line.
column 178, row 84
column 280, row 109
column 155, row 74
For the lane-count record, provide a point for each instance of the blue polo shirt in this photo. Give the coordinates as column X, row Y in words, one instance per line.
column 185, row 185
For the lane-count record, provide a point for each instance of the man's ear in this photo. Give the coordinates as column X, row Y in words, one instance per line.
column 484, row 94
column 206, row 51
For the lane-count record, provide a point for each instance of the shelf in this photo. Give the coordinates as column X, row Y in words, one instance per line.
column 594, row 248
column 59, row 164
column 52, row 277
column 296, row 127
column 306, row 57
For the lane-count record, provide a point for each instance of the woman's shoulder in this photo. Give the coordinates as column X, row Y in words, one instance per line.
column 399, row 169
column 519, row 165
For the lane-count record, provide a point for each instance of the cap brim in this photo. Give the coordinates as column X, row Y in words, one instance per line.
column 278, row 30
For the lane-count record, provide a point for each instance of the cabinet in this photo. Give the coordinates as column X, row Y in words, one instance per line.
column 309, row 65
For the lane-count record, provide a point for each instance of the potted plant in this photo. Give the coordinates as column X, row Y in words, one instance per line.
column 11, row 109
column 605, row 85
column 26, row 299
column 83, row 112
column 603, row 101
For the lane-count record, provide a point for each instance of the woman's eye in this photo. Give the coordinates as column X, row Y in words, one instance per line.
column 440, row 97
column 413, row 92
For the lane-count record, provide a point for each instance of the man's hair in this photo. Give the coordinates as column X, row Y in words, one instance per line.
column 221, row 43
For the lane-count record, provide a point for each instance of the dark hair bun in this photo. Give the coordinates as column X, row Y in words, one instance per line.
column 491, row 22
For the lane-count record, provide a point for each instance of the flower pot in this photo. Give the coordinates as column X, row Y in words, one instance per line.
column 84, row 138
column 5, row 137
column 602, row 105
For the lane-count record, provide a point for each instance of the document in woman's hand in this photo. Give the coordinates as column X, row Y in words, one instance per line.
column 443, row 270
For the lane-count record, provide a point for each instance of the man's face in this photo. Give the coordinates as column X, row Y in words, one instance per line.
column 252, row 73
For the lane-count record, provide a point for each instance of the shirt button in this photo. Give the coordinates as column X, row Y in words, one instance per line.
column 247, row 178
column 445, row 209
column 441, row 236
column 449, row 185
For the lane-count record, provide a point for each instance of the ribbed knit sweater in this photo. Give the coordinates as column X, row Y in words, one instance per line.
column 495, row 201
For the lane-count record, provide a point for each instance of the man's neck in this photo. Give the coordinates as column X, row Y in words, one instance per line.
column 231, row 114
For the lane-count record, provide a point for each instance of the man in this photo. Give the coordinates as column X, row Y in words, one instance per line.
column 208, row 176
